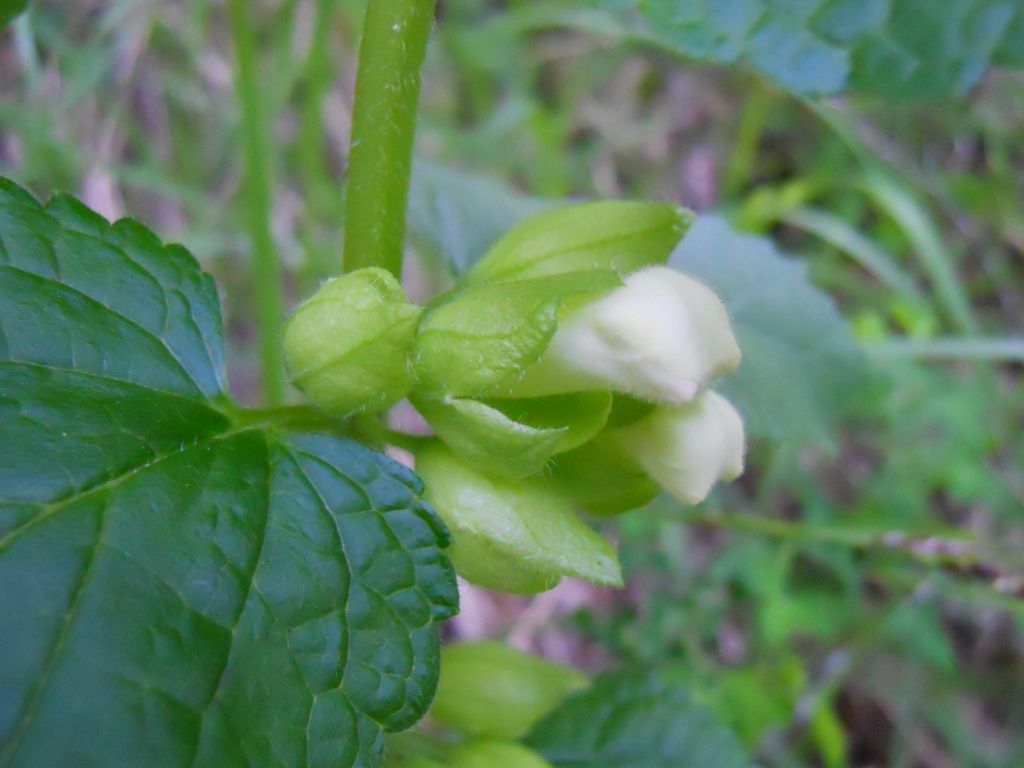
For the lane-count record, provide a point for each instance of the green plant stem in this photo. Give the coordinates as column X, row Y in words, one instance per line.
column 952, row 548
column 743, row 156
column 257, row 193
column 995, row 350
column 848, row 239
column 300, row 418
column 372, row 429
column 900, row 203
column 391, row 53
column 956, row 551
column 785, row 529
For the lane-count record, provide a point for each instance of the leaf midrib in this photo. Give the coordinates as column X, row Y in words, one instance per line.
column 39, row 688
column 48, row 509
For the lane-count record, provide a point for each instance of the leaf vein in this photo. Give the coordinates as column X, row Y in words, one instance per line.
column 130, row 321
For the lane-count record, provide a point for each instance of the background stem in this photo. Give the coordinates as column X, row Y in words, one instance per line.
column 391, row 53
column 1009, row 349
column 257, row 195
column 323, row 196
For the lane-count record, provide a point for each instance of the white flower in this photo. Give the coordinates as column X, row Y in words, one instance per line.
column 687, row 448
column 661, row 336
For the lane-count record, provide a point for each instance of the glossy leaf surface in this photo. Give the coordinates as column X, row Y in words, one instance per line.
column 904, row 49
column 177, row 588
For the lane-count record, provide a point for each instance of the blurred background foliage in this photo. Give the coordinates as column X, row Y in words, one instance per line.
column 857, row 598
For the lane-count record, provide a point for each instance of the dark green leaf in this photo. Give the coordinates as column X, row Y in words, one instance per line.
column 177, row 589
column 801, row 365
column 905, row 49
column 633, row 720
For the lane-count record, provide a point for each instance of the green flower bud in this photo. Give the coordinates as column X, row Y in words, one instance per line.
column 492, row 690
column 607, row 235
column 495, row 754
column 515, row 536
column 349, row 346
column 482, row 338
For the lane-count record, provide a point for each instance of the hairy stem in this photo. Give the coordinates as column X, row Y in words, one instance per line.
column 258, row 191
column 391, row 53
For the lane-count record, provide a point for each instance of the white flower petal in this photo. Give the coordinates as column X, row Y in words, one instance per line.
column 688, row 448
column 662, row 336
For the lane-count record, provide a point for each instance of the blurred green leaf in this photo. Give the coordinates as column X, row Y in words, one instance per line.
column 494, row 691
column 916, row 628
column 946, row 431
column 801, row 365
column 634, row 720
column 460, row 215
column 754, row 698
column 9, row 9
column 900, row 50
column 899, row 202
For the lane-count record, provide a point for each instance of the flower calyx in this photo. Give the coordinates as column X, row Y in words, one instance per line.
column 569, row 370
column 349, row 346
